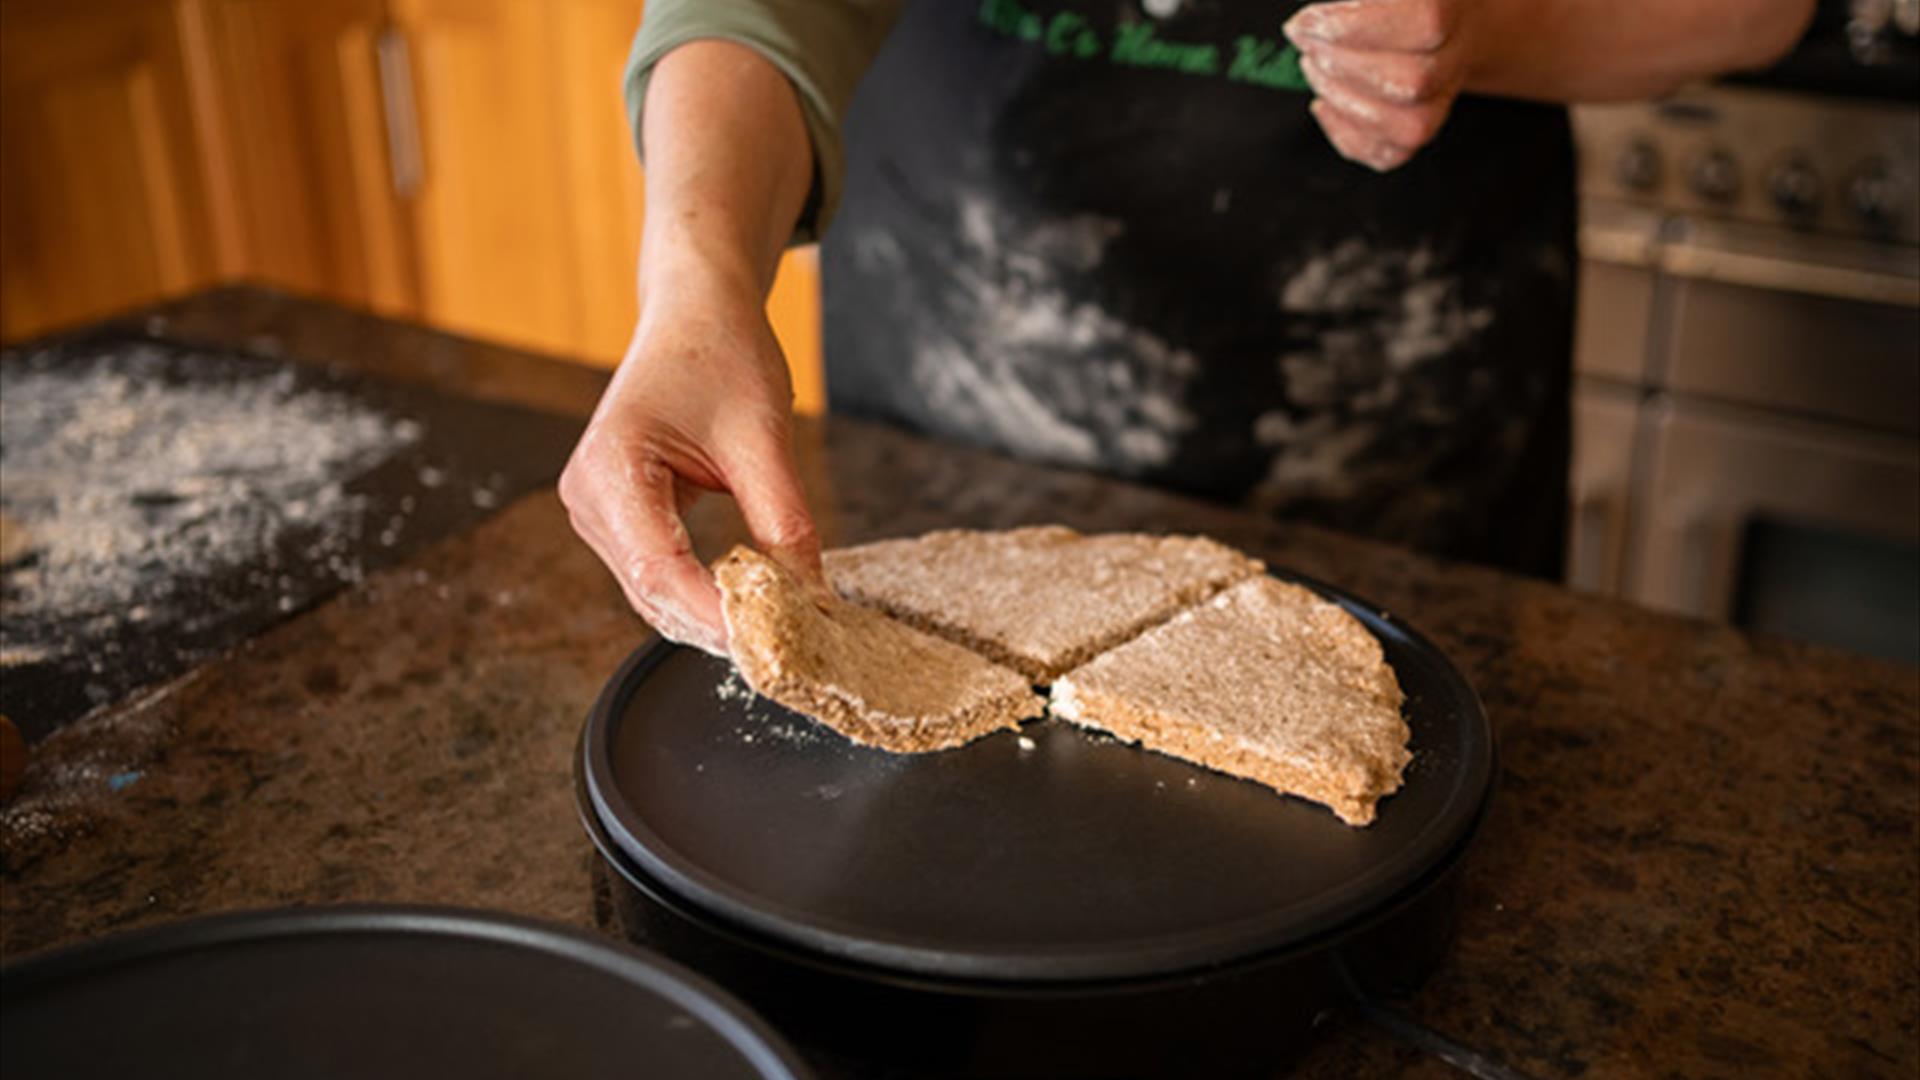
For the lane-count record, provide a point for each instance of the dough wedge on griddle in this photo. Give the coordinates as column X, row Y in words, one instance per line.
column 1266, row 681
column 1041, row 600
column 872, row 678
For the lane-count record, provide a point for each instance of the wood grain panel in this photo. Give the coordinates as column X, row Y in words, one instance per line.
column 493, row 220
column 102, row 195
column 590, row 40
column 297, row 88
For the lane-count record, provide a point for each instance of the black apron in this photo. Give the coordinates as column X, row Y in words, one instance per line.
column 1089, row 236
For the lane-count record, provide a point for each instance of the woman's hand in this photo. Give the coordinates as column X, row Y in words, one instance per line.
column 1384, row 72
column 701, row 403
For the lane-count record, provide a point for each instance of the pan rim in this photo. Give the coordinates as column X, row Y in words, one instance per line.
column 761, row 1047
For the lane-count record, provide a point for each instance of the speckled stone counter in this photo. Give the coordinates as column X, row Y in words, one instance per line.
column 1703, row 858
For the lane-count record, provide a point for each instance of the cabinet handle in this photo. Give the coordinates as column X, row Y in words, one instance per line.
column 403, row 119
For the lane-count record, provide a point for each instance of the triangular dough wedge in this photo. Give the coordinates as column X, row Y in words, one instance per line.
column 1266, row 681
column 1041, row 600
column 873, row 679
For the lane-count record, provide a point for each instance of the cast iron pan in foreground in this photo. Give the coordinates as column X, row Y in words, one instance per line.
column 1050, row 856
column 373, row 992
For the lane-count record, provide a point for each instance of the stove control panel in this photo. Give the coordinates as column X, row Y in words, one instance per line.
column 1803, row 161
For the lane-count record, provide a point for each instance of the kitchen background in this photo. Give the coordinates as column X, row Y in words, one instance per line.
column 1748, row 411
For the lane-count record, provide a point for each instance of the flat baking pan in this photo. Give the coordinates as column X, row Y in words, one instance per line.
column 373, row 992
column 1048, row 855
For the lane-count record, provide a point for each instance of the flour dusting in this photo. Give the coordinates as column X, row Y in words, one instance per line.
column 134, row 488
column 735, row 688
column 1023, row 364
column 1369, row 322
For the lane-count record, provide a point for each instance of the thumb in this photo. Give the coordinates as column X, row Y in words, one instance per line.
column 764, row 483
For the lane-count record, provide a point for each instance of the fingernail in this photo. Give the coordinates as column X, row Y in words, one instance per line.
column 1306, row 27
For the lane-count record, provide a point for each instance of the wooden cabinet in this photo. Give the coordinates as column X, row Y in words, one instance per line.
column 297, row 97
column 492, row 215
column 590, row 42
column 466, row 163
column 103, row 203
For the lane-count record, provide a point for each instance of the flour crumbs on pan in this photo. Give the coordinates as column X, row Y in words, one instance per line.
column 735, row 688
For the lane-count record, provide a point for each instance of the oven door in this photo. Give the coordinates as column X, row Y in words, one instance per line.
column 1797, row 527
column 1795, row 323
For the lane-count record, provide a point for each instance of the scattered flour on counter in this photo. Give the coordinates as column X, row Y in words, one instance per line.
column 18, row 655
column 133, row 488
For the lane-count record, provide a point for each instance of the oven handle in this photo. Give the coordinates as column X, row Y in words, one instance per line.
column 1701, row 263
column 1621, row 246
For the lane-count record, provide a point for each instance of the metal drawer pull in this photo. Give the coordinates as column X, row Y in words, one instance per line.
column 404, row 159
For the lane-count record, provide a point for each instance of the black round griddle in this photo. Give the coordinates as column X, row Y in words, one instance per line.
column 373, row 992
column 1053, row 856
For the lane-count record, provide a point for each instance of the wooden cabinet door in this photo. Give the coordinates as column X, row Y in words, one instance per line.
column 297, row 94
column 103, row 202
column 493, row 216
column 590, row 40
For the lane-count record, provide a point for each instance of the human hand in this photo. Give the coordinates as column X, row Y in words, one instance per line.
column 1384, row 72
column 702, row 402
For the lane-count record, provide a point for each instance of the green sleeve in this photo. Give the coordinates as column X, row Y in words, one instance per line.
column 822, row 46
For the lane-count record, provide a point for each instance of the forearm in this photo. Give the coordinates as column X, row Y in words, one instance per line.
column 728, row 169
column 1600, row 50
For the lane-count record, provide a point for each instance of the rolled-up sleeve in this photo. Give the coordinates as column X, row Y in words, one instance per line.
column 823, row 47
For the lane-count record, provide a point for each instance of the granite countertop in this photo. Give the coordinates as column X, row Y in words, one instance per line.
column 1701, row 858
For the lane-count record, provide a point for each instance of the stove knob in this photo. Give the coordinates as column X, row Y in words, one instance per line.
column 1638, row 166
column 1715, row 176
column 1871, row 193
column 1795, row 187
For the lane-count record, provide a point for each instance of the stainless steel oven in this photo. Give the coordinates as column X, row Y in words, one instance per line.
column 1747, row 418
